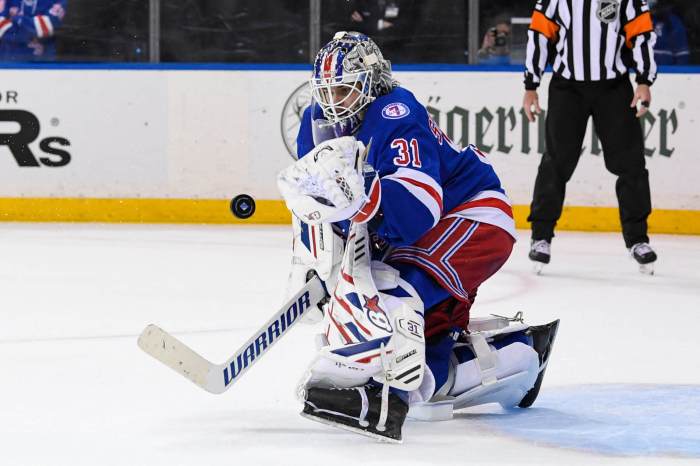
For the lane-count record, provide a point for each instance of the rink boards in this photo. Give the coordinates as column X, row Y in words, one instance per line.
column 174, row 145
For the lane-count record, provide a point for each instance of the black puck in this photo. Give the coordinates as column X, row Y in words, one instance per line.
column 242, row 206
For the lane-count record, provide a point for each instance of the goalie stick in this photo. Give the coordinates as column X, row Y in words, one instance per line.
column 217, row 378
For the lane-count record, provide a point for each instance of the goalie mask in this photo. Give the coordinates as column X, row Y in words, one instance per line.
column 349, row 73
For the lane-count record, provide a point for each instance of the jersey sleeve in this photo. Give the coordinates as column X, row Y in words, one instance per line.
column 543, row 30
column 409, row 168
column 640, row 38
column 305, row 138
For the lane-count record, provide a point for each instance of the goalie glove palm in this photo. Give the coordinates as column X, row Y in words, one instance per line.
column 331, row 183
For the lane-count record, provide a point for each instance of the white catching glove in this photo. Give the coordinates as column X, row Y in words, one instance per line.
column 328, row 184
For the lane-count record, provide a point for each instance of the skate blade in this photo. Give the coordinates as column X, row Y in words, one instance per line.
column 537, row 267
column 434, row 411
column 355, row 430
column 647, row 269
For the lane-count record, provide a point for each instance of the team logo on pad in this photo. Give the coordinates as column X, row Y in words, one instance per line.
column 395, row 110
column 376, row 314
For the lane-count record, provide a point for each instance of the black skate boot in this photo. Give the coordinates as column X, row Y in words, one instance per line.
column 358, row 409
column 645, row 257
column 542, row 339
column 540, row 253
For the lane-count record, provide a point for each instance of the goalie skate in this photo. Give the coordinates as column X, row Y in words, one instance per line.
column 357, row 409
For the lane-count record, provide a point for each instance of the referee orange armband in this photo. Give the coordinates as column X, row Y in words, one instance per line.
column 637, row 26
column 544, row 25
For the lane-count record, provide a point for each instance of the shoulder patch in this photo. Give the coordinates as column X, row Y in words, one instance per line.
column 395, row 110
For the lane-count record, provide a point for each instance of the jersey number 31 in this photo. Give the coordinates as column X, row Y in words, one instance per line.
column 408, row 152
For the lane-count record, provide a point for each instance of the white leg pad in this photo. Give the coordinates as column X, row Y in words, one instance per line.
column 508, row 375
column 514, row 373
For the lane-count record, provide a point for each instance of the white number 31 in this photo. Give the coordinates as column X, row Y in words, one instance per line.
column 408, row 152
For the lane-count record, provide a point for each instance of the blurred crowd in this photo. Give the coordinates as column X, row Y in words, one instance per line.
column 277, row 31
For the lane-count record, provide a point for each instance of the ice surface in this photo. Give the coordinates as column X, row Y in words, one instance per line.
column 623, row 419
column 623, row 385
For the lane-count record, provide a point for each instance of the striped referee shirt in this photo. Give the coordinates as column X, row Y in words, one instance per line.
column 590, row 40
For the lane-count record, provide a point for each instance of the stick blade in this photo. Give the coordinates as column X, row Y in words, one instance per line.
column 176, row 355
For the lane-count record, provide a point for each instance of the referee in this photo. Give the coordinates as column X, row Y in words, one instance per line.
column 591, row 44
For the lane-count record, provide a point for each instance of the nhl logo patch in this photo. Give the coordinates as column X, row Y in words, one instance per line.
column 608, row 10
column 395, row 110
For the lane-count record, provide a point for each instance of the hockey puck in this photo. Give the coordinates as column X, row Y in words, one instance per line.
column 242, row 206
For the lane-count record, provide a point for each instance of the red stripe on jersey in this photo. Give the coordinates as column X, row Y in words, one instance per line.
column 487, row 202
column 4, row 23
column 43, row 25
column 478, row 152
column 429, row 189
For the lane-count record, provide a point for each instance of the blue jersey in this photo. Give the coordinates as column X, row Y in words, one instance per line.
column 424, row 176
column 27, row 28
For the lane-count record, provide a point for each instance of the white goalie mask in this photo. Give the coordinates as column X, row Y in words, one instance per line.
column 349, row 73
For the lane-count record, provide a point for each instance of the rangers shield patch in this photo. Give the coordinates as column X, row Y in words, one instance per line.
column 395, row 110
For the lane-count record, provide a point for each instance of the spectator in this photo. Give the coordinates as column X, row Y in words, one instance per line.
column 392, row 23
column 671, row 38
column 371, row 17
column 27, row 29
column 495, row 48
column 408, row 31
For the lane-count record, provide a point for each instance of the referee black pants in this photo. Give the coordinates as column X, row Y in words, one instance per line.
column 570, row 105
